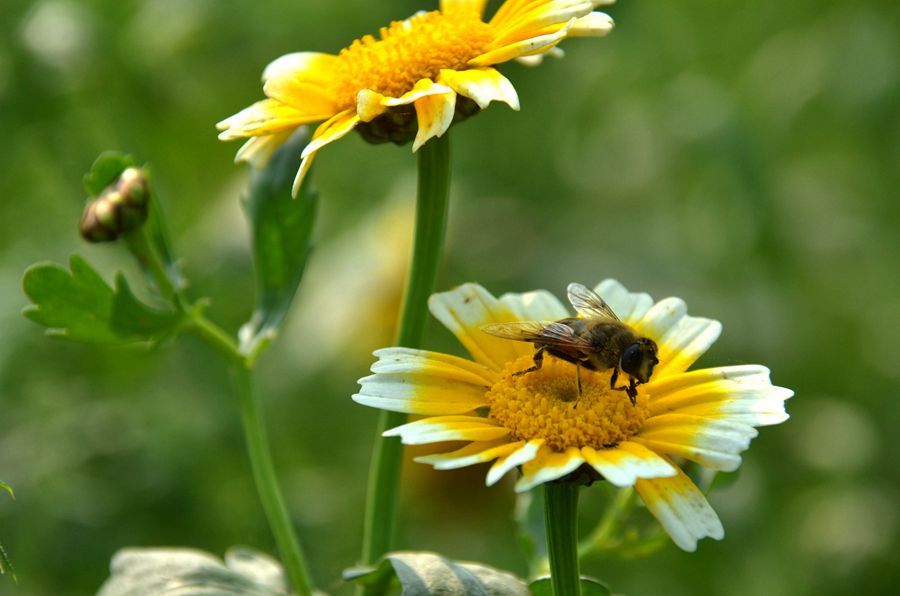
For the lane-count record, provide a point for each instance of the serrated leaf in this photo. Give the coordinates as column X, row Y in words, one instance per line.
column 589, row 587
column 105, row 170
column 79, row 305
column 281, row 228
column 189, row 572
column 423, row 573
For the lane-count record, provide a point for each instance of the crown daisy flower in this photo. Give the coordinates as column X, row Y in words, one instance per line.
column 413, row 81
column 540, row 422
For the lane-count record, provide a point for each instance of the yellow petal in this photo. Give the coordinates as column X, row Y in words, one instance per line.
column 328, row 132
column 476, row 6
column 540, row 21
column 264, row 117
column 681, row 338
column 525, row 453
column 624, row 464
column 527, row 47
column 257, row 150
column 464, row 311
column 483, row 85
column 434, row 113
column 548, row 465
column 314, row 67
column 713, row 443
column 438, row 429
column 681, row 509
column 471, row 454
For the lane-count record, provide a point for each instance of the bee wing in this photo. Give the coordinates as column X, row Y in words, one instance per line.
column 588, row 304
column 544, row 332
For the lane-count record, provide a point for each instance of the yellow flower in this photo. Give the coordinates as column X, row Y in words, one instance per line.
column 424, row 61
column 538, row 421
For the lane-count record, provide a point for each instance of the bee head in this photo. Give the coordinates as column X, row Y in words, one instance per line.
column 639, row 358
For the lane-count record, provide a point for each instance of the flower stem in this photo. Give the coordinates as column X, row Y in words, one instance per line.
column 267, row 482
column 561, row 520
column 431, row 220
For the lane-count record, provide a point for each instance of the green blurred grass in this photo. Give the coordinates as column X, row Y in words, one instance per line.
column 743, row 157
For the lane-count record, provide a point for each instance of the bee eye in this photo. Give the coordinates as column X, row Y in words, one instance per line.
column 630, row 361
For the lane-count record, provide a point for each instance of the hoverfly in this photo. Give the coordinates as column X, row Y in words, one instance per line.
column 596, row 339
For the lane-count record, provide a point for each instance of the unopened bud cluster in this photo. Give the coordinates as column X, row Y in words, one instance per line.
column 120, row 208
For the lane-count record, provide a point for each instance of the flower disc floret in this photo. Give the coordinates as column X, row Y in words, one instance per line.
column 408, row 51
column 545, row 404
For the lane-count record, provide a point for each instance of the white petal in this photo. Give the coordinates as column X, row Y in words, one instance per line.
column 437, row 429
column 629, row 306
column 681, row 509
column 464, row 311
column 681, row 339
column 434, row 113
column 471, row 454
column 596, row 24
column 539, row 305
column 624, row 464
column 522, row 455
column 483, row 85
column 548, row 465
column 713, row 443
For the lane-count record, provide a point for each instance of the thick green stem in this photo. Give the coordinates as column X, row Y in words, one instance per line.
column 267, row 482
column 561, row 520
column 431, row 221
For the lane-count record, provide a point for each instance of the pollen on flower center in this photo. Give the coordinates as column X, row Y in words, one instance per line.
column 545, row 404
column 407, row 52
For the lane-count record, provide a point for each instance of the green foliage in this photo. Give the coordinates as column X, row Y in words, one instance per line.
column 420, row 574
column 281, row 227
column 6, row 565
column 532, row 532
column 193, row 573
column 108, row 166
column 80, row 306
column 589, row 587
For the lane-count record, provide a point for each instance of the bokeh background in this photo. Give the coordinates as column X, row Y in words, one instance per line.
column 743, row 156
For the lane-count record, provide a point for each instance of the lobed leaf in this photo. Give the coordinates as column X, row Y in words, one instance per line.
column 190, row 572
column 423, row 573
column 79, row 305
column 281, row 227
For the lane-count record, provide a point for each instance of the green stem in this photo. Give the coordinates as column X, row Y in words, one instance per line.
column 431, row 220
column 561, row 520
column 143, row 250
column 609, row 525
column 267, row 482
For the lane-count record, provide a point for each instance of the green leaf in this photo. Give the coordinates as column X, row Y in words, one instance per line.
column 8, row 489
column 281, row 228
column 190, row 572
column 80, row 306
column 589, row 587
column 6, row 565
column 105, row 170
column 422, row 573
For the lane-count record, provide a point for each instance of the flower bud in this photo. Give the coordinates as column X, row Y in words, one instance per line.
column 120, row 208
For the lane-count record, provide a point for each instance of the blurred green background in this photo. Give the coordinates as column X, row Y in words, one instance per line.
column 743, row 156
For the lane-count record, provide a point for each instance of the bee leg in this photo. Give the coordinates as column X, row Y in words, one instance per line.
column 538, row 362
column 632, row 392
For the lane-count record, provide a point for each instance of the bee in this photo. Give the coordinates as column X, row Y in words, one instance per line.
column 596, row 339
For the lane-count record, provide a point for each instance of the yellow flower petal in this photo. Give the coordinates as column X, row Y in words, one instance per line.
column 596, row 24
column 539, row 305
column 713, row 443
column 464, row 311
column 483, row 85
column 527, row 47
column 476, row 6
column 438, row 429
column 681, row 509
column 540, row 21
column 257, row 150
column 313, row 67
column 328, row 132
column 264, row 117
column 434, row 113
column 628, row 306
column 681, row 339
column 471, row 454
column 623, row 464
column 548, row 465
column 522, row 455
column 735, row 393
column 419, row 382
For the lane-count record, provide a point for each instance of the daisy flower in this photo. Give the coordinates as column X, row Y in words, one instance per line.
column 539, row 423
column 406, row 82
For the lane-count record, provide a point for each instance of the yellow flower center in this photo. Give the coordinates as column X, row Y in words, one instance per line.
column 409, row 51
column 545, row 404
